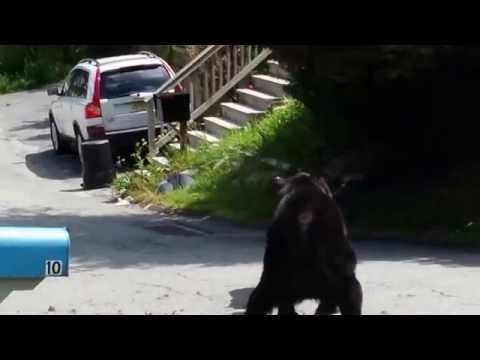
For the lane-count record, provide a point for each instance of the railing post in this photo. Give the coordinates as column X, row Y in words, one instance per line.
column 235, row 60
column 191, row 90
column 205, row 84
column 242, row 56
column 229, row 63
column 220, row 66
column 155, row 116
column 213, row 88
column 151, row 127
column 197, row 92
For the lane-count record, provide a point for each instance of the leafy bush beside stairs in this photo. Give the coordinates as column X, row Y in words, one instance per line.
column 231, row 180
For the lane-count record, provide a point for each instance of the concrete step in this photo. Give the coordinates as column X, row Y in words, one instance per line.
column 174, row 146
column 197, row 138
column 257, row 99
column 270, row 84
column 177, row 147
column 219, row 127
column 276, row 70
column 238, row 113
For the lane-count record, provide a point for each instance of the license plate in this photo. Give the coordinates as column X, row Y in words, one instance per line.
column 139, row 106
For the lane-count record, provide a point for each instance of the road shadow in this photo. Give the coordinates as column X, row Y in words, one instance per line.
column 32, row 125
column 408, row 252
column 47, row 165
column 8, row 286
column 147, row 240
column 143, row 240
column 239, row 299
column 39, row 137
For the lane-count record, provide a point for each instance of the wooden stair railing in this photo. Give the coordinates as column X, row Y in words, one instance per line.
column 207, row 78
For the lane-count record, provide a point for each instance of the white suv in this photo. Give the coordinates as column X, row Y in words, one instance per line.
column 103, row 99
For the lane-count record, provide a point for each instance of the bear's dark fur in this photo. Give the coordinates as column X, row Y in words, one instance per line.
column 308, row 255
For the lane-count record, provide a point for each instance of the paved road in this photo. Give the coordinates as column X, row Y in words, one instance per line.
column 126, row 260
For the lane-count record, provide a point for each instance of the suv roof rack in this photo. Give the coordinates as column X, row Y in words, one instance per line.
column 97, row 63
column 90, row 61
column 147, row 53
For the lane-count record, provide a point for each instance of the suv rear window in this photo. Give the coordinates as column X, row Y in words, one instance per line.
column 125, row 82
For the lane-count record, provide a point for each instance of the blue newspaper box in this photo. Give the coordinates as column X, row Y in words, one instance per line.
column 34, row 253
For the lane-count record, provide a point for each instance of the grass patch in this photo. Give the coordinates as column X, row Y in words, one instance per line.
column 231, row 179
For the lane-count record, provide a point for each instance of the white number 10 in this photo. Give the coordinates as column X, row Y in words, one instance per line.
column 53, row 268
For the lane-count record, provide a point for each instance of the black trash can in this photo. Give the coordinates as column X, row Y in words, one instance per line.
column 97, row 164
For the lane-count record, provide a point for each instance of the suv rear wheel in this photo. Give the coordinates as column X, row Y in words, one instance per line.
column 78, row 144
column 60, row 146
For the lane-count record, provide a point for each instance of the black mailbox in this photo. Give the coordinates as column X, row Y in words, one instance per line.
column 176, row 107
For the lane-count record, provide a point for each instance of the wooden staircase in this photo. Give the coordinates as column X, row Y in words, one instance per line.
column 229, row 86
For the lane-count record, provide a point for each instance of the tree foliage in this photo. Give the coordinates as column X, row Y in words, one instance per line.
column 414, row 106
column 30, row 66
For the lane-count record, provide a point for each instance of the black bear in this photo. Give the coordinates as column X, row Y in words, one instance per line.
column 308, row 254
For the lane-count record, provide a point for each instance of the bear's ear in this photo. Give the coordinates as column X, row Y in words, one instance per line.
column 322, row 182
column 279, row 181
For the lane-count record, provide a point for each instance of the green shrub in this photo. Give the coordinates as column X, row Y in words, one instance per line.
column 24, row 67
column 11, row 84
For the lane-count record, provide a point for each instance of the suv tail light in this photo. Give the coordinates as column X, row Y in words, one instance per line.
column 94, row 110
column 179, row 88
